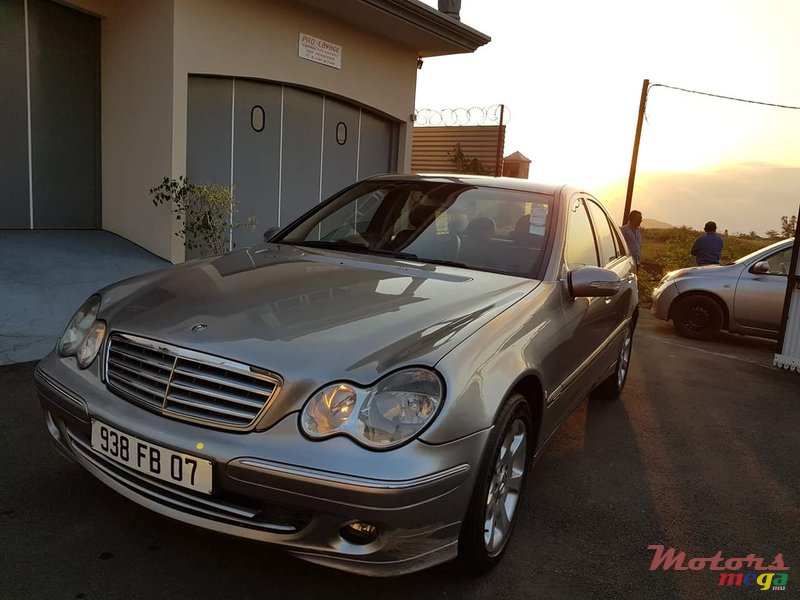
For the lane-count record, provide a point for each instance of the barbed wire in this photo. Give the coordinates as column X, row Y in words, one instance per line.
column 452, row 117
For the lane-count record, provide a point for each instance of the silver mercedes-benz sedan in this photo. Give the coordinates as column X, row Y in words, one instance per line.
column 744, row 297
column 368, row 388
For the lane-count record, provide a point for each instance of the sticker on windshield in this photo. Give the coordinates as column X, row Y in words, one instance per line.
column 538, row 219
column 441, row 223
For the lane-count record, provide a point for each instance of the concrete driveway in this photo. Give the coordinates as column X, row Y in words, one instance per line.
column 46, row 275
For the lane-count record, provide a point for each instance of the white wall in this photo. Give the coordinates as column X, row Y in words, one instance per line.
column 259, row 39
column 136, row 117
column 149, row 48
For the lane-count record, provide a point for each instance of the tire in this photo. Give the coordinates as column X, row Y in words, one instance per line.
column 698, row 317
column 488, row 525
column 611, row 387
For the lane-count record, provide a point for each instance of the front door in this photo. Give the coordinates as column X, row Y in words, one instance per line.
column 760, row 296
column 586, row 323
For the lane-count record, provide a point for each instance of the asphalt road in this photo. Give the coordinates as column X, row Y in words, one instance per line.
column 701, row 453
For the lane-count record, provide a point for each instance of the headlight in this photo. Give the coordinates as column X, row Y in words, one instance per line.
column 669, row 276
column 385, row 415
column 91, row 344
column 84, row 335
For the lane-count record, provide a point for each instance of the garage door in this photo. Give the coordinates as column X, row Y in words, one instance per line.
column 50, row 117
column 283, row 149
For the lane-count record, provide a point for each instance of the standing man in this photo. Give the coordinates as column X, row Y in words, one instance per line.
column 707, row 249
column 633, row 236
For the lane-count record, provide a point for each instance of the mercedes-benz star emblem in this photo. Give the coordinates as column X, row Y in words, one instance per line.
column 199, row 327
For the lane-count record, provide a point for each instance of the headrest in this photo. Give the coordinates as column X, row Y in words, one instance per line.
column 481, row 227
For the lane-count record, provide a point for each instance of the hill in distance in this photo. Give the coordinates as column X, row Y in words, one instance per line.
column 655, row 224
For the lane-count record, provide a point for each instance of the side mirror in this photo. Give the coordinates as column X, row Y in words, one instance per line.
column 760, row 268
column 589, row 282
column 270, row 233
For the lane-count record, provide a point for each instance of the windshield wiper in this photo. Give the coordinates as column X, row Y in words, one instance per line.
column 355, row 247
column 445, row 263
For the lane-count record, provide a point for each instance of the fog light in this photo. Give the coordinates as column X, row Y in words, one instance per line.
column 359, row 533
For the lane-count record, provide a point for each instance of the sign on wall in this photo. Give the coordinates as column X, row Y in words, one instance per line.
column 320, row 51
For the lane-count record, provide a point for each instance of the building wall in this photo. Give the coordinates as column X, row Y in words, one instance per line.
column 50, row 116
column 136, row 117
column 15, row 200
column 259, row 39
column 149, row 49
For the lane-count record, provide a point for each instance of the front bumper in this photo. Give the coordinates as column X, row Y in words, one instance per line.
column 663, row 296
column 276, row 486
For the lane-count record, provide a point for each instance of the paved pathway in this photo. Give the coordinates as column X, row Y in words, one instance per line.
column 46, row 275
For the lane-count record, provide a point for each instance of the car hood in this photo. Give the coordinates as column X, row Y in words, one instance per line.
column 705, row 271
column 312, row 316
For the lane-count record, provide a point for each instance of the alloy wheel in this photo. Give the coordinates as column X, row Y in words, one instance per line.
column 505, row 487
column 624, row 360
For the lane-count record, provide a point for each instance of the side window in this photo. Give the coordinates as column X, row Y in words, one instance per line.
column 780, row 262
column 580, row 248
column 605, row 238
column 621, row 251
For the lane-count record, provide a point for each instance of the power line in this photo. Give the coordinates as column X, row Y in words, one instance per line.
column 680, row 89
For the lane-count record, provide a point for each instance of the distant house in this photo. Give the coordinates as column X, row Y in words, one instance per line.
column 516, row 165
column 285, row 100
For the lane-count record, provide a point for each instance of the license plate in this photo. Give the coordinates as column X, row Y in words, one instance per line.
column 151, row 459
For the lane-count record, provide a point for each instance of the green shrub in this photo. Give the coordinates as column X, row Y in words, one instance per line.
column 463, row 164
column 677, row 249
column 647, row 283
column 207, row 213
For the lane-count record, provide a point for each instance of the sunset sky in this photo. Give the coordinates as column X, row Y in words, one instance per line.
column 571, row 73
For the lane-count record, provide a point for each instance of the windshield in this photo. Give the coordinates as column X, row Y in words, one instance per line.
column 439, row 222
column 757, row 253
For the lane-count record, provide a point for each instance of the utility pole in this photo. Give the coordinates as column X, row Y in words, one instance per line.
column 635, row 157
column 500, row 142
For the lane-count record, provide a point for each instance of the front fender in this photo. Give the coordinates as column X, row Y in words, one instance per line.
column 723, row 289
column 482, row 370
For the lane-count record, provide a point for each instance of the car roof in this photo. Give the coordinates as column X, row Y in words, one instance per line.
column 506, row 183
column 778, row 244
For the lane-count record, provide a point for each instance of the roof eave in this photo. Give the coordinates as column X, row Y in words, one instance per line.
column 409, row 23
column 463, row 37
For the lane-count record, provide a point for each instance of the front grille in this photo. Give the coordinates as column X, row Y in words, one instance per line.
column 186, row 384
column 138, row 371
